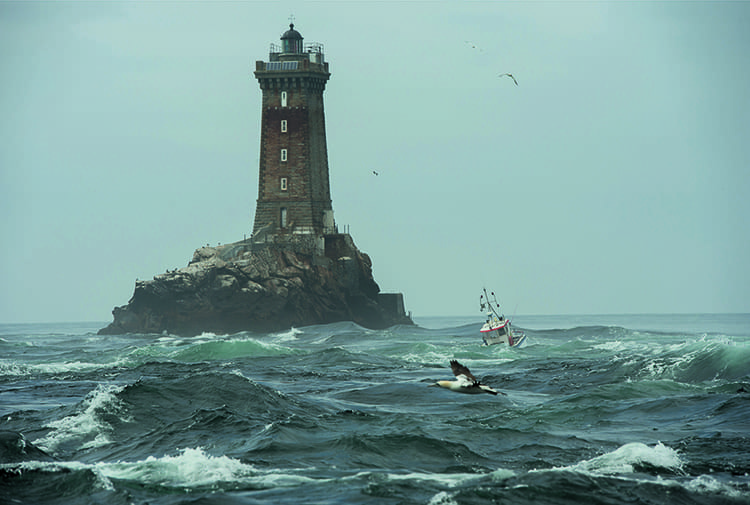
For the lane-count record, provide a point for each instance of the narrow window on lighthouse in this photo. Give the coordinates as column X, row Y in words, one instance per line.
column 283, row 98
column 283, row 217
column 283, row 184
column 283, row 155
column 283, row 126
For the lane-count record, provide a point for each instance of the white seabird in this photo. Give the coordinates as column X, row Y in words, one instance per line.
column 465, row 382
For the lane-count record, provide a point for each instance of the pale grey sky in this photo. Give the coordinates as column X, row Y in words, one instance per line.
column 613, row 179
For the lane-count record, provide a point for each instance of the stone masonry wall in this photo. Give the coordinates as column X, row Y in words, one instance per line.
column 305, row 169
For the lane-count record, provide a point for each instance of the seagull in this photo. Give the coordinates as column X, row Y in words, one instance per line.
column 473, row 45
column 511, row 76
column 465, row 382
column 374, row 172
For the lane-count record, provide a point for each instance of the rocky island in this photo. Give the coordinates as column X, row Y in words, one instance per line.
column 236, row 287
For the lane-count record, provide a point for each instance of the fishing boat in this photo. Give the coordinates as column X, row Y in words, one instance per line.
column 497, row 329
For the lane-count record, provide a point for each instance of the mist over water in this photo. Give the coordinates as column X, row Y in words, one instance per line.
column 607, row 409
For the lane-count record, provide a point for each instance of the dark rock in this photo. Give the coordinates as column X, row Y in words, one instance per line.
column 243, row 286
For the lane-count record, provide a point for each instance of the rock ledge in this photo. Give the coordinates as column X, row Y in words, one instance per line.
column 249, row 287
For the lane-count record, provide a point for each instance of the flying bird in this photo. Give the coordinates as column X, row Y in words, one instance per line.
column 473, row 45
column 465, row 382
column 374, row 172
column 511, row 76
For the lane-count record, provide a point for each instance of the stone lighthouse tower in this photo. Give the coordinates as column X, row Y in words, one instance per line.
column 294, row 199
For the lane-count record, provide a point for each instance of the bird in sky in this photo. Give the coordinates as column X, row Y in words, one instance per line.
column 374, row 172
column 465, row 382
column 511, row 76
column 473, row 45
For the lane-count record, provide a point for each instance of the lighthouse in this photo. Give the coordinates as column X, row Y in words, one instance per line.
column 296, row 269
column 294, row 200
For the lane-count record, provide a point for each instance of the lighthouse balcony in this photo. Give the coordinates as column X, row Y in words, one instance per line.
column 312, row 52
column 286, row 65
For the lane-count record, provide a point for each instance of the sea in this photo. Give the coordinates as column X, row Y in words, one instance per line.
column 635, row 409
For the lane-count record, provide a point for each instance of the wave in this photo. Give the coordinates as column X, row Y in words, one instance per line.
column 190, row 468
column 595, row 356
column 228, row 349
column 650, row 465
column 649, row 471
column 688, row 362
column 630, row 458
column 15, row 448
column 193, row 468
column 156, row 411
column 205, row 347
column 12, row 369
column 87, row 428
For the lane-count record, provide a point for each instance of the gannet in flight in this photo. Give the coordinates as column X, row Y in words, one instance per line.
column 511, row 76
column 465, row 382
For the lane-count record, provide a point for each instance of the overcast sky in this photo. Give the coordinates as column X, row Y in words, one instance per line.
column 615, row 178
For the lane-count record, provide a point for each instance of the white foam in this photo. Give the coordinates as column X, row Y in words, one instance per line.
column 614, row 346
column 191, row 468
column 87, row 426
column 288, row 335
column 205, row 337
column 708, row 484
column 262, row 346
column 443, row 498
column 8, row 367
column 624, row 459
column 427, row 353
column 450, row 480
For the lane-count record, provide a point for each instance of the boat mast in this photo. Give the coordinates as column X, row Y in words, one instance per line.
column 488, row 303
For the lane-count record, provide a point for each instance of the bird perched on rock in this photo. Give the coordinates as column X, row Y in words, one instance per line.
column 465, row 382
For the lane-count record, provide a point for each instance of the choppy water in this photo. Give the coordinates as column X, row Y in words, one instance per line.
column 637, row 409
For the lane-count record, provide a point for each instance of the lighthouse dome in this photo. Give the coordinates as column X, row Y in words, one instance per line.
column 291, row 41
column 291, row 33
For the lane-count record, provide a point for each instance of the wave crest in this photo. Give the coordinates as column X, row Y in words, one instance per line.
column 630, row 458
